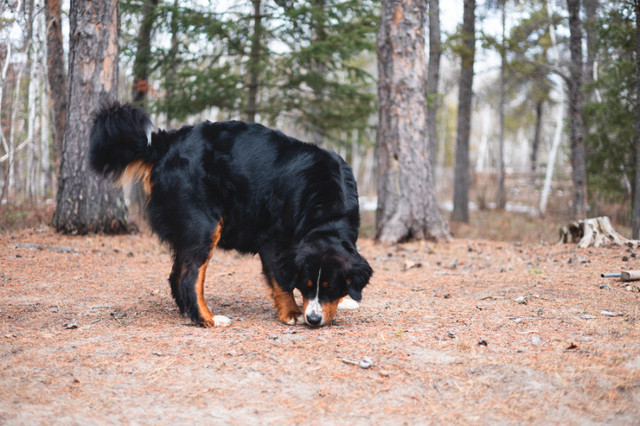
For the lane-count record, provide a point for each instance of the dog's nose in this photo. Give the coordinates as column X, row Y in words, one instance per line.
column 314, row 319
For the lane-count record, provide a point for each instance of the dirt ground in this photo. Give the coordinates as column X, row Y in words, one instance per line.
column 470, row 331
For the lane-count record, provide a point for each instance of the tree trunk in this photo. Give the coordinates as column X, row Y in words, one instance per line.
column 636, row 191
column 461, row 169
column 576, row 103
column 143, row 54
column 535, row 145
column 557, row 134
column 254, row 62
column 85, row 202
column 591, row 30
column 140, row 87
column 433, row 77
column 56, row 74
column 3, row 139
column 501, row 199
column 32, row 103
column 318, row 67
column 170, row 78
column 407, row 206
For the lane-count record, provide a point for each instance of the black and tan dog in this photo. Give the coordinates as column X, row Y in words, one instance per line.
column 241, row 186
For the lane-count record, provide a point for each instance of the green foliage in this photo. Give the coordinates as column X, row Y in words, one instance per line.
column 312, row 67
column 610, row 116
column 321, row 80
column 526, row 46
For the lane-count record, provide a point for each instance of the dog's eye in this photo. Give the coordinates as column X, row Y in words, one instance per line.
column 325, row 284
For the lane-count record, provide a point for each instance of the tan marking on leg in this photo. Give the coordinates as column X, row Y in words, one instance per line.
column 203, row 309
column 285, row 304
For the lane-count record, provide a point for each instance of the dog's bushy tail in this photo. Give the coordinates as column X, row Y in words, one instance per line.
column 120, row 140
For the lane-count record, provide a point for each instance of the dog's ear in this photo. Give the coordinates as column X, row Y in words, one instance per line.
column 358, row 276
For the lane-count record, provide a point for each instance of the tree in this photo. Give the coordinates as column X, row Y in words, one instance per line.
column 198, row 68
column 591, row 30
column 56, row 73
column 529, row 43
column 407, row 207
column 254, row 62
column 636, row 139
column 141, row 65
column 461, row 169
column 610, row 143
column 433, row 77
column 321, row 81
column 576, row 106
column 85, row 202
column 501, row 199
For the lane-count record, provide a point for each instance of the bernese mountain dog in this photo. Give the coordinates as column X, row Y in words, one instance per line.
column 246, row 187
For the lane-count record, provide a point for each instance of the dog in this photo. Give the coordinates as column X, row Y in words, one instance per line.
column 241, row 186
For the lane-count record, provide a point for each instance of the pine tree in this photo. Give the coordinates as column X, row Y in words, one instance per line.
column 407, row 206
column 461, row 171
column 576, row 106
column 85, row 202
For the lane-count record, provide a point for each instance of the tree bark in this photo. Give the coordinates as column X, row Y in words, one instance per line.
column 254, row 62
column 636, row 191
column 407, row 206
column 143, row 54
column 461, row 169
column 56, row 74
column 576, row 104
column 433, row 78
column 85, row 202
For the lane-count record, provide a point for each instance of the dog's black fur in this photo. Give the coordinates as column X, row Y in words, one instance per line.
column 253, row 188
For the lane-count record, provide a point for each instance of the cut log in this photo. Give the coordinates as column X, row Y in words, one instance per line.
column 594, row 232
column 630, row 275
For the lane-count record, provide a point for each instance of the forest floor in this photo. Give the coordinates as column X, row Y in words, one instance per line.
column 468, row 331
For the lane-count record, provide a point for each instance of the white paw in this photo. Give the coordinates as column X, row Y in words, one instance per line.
column 348, row 303
column 298, row 320
column 221, row 321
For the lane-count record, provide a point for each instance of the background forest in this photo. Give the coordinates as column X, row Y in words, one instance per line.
column 310, row 69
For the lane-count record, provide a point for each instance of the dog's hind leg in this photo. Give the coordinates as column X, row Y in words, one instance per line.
column 174, row 281
column 191, row 288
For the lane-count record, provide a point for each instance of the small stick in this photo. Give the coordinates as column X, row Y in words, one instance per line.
column 610, row 275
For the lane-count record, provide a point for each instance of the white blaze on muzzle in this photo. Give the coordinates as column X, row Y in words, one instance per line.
column 313, row 306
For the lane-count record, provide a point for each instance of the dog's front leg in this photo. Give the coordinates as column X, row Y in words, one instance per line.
column 284, row 302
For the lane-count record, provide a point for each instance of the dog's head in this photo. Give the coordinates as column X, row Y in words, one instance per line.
column 324, row 271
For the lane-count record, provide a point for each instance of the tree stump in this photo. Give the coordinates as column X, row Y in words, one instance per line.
column 594, row 232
